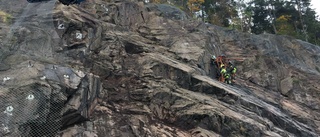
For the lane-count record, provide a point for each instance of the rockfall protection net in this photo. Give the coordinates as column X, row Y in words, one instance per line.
column 29, row 111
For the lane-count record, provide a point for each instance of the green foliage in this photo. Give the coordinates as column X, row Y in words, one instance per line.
column 194, row 5
column 220, row 12
column 294, row 18
column 284, row 27
column 284, row 17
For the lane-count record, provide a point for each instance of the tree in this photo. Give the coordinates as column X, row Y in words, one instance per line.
column 284, row 27
column 285, row 17
column 288, row 17
column 260, row 16
column 302, row 6
column 220, row 12
column 313, row 26
column 194, row 5
column 239, row 21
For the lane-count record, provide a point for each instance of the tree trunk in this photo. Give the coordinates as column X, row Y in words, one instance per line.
column 202, row 13
column 239, row 5
column 273, row 16
column 303, row 25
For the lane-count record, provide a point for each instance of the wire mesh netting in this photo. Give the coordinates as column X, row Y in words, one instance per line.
column 41, row 96
column 30, row 111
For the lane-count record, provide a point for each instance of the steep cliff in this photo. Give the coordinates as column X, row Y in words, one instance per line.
column 127, row 68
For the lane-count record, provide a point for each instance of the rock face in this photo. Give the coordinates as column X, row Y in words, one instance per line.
column 127, row 68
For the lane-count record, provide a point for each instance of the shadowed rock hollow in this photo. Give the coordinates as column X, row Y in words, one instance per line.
column 126, row 68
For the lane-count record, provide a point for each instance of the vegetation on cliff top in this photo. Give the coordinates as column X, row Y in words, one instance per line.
column 295, row 18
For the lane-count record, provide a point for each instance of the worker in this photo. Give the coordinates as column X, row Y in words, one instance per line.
column 218, row 60
column 232, row 70
column 227, row 78
column 213, row 58
column 221, row 66
column 225, row 75
column 223, row 72
column 223, row 58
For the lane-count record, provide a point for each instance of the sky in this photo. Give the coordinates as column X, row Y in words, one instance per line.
column 316, row 6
